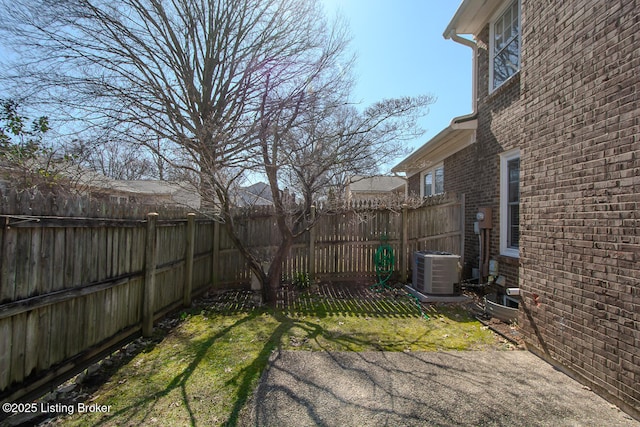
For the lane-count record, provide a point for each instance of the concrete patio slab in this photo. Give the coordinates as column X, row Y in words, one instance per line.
column 501, row 388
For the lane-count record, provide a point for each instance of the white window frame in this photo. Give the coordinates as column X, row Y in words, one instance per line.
column 504, row 199
column 492, row 23
column 431, row 171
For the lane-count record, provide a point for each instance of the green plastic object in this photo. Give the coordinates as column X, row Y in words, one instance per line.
column 384, row 261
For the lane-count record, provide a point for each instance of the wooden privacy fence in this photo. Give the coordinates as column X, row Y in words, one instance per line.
column 73, row 288
column 70, row 288
column 341, row 245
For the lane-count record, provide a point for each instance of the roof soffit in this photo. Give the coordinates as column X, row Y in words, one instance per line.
column 446, row 143
column 472, row 16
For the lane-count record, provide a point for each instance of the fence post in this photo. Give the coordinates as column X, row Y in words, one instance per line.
column 215, row 279
column 8, row 263
column 404, row 245
column 188, row 276
column 150, row 262
column 312, row 245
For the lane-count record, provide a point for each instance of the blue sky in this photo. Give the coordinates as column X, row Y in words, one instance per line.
column 401, row 52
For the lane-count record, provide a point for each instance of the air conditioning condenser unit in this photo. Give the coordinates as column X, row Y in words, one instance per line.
column 436, row 273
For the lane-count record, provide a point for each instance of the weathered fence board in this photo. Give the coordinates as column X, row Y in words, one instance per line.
column 44, row 338
column 5, row 354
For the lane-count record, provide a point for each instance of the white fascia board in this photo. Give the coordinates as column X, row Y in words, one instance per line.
column 471, row 17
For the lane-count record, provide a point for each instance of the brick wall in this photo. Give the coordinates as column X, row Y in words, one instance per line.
column 475, row 171
column 500, row 118
column 413, row 185
column 460, row 172
column 580, row 191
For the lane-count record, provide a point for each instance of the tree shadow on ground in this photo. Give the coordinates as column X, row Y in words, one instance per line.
column 243, row 382
column 330, row 302
column 179, row 382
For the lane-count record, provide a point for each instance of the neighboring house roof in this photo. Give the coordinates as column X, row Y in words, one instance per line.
column 375, row 184
column 458, row 135
column 156, row 191
column 182, row 193
column 471, row 16
column 256, row 194
column 88, row 181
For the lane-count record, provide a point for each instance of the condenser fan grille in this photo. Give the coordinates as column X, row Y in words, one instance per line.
column 435, row 273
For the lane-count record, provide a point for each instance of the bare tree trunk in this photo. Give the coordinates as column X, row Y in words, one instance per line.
column 275, row 273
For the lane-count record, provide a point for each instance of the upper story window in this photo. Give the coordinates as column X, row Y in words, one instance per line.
column 505, row 45
column 433, row 181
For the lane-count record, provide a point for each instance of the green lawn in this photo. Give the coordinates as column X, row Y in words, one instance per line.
column 205, row 369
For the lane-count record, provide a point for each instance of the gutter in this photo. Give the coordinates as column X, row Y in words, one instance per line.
column 453, row 35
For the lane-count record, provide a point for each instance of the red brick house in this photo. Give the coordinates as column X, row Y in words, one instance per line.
column 556, row 156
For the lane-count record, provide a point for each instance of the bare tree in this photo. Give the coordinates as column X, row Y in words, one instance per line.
column 115, row 159
column 309, row 136
column 337, row 142
column 230, row 87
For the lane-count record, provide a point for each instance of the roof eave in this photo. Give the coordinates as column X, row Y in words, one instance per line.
column 471, row 16
column 458, row 135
